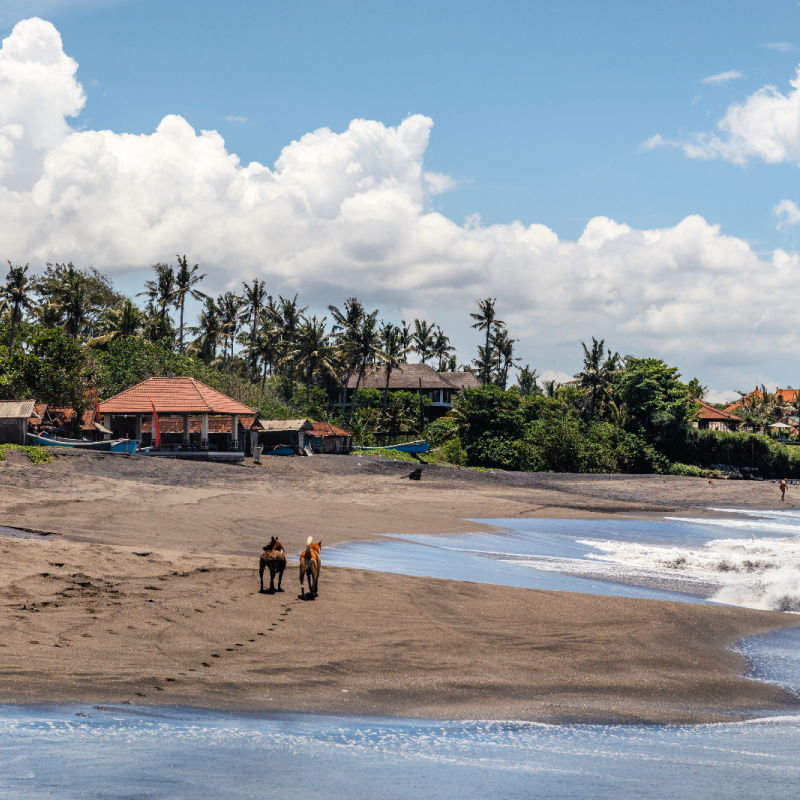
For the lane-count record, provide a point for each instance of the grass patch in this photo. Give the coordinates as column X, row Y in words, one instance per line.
column 37, row 455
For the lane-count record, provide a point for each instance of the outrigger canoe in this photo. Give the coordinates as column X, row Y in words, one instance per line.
column 420, row 446
column 104, row 446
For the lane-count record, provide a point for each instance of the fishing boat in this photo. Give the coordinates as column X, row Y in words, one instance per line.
column 280, row 450
column 419, row 446
column 125, row 446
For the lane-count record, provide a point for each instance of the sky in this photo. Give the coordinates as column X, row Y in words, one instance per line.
column 625, row 171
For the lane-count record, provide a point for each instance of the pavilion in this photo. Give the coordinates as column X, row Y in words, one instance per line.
column 184, row 397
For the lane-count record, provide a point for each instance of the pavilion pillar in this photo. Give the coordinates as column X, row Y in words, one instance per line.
column 138, row 427
column 235, row 432
column 186, row 430
column 204, row 430
column 107, row 424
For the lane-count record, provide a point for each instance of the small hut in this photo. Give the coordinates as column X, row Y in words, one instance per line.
column 272, row 433
column 327, row 438
column 14, row 417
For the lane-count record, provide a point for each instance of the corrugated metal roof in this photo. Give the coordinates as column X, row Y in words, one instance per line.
column 284, row 424
column 173, row 395
column 15, row 409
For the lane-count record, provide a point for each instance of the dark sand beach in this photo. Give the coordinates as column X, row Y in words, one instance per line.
column 145, row 591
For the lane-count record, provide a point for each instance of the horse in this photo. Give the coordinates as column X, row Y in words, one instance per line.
column 274, row 557
column 310, row 565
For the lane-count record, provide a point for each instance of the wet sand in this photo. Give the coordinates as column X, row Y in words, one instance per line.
column 145, row 591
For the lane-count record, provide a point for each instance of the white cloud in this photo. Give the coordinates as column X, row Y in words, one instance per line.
column 783, row 47
column 766, row 126
column 235, row 119
column 788, row 214
column 349, row 212
column 721, row 78
column 656, row 141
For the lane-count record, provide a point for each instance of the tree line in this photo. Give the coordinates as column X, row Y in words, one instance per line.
column 67, row 328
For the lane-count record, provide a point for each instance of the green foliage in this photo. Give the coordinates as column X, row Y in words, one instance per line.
column 36, row 454
column 439, row 430
column 453, row 452
column 687, row 470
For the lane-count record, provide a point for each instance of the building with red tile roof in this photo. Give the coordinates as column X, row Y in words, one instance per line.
column 327, row 438
column 711, row 418
column 177, row 397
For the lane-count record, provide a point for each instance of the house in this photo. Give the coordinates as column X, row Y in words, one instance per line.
column 438, row 387
column 788, row 397
column 14, row 417
column 710, row 418
column 65, row 421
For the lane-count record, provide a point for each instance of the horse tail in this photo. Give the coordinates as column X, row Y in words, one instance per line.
column 309, row 540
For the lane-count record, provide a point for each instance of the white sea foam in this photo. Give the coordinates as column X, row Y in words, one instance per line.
column 752, row 572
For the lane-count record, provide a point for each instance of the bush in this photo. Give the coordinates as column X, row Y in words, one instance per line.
column 688, row 470
column 453, row 452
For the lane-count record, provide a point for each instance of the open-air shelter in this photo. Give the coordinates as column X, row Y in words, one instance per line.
column 170, row 397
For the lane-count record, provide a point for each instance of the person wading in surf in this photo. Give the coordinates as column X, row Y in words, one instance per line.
column 782, row 487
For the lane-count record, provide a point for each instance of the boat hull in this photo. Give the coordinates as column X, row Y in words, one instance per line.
column 103, row 446
column 403, row 447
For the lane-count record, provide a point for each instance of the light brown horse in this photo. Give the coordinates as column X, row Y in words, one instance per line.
column 310, row 565
column 274, row 557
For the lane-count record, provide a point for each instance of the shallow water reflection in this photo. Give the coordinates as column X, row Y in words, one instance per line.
column 115, row 753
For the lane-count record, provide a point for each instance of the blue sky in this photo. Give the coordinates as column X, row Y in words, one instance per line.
column 541, row 114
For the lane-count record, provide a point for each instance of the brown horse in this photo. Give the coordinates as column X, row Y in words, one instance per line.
column 310, row 565
column 274, row 557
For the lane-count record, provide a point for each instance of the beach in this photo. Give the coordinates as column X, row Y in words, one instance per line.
column 143, row 590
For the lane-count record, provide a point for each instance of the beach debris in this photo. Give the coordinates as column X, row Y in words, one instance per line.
column 415, row 475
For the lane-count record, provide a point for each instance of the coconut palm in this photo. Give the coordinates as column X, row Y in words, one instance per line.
column 229, row 306
column 118, row 322
column 346, row 324
column 15, row 292
column 601, row 368
column 442, row 349
column 406, row 339
column 424, row 338
column 312, row 351
column 504, row 348
column 394, row 352
column 208, row 331
column 254, row 298
column 184, row 282
column 486, row 320
column 160, row 291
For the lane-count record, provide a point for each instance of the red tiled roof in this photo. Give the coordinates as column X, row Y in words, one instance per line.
column 323, row 429
column 173, row 395
column 708, row 412
column 788, row 396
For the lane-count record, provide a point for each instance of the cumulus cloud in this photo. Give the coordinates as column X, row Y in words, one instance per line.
column 765, row 126
column 788, row 214
column 348, row 212
column 721, row 78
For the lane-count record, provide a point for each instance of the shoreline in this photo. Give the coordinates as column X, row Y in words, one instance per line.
column 148, row 595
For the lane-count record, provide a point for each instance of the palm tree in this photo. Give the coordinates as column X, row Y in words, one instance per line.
column 598, row 376
column 290, row 316
column 424, row 337
column 311, row 350
column 504, row 347
column 15, row 294
column 486, row 319
column 442, row 349
column 119, row 322
column 365, row 350
column 394, row 352
column 267, row 345
column 209, row 328
column 229, row 306
column 346, row 324
column 528, row 382
column 161, row 292
column 184, row 282
column 406, row 339
column 254, row 297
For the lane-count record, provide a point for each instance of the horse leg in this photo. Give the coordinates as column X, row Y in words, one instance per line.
column 271, row 579
column 280, row 578
column 261, row 575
